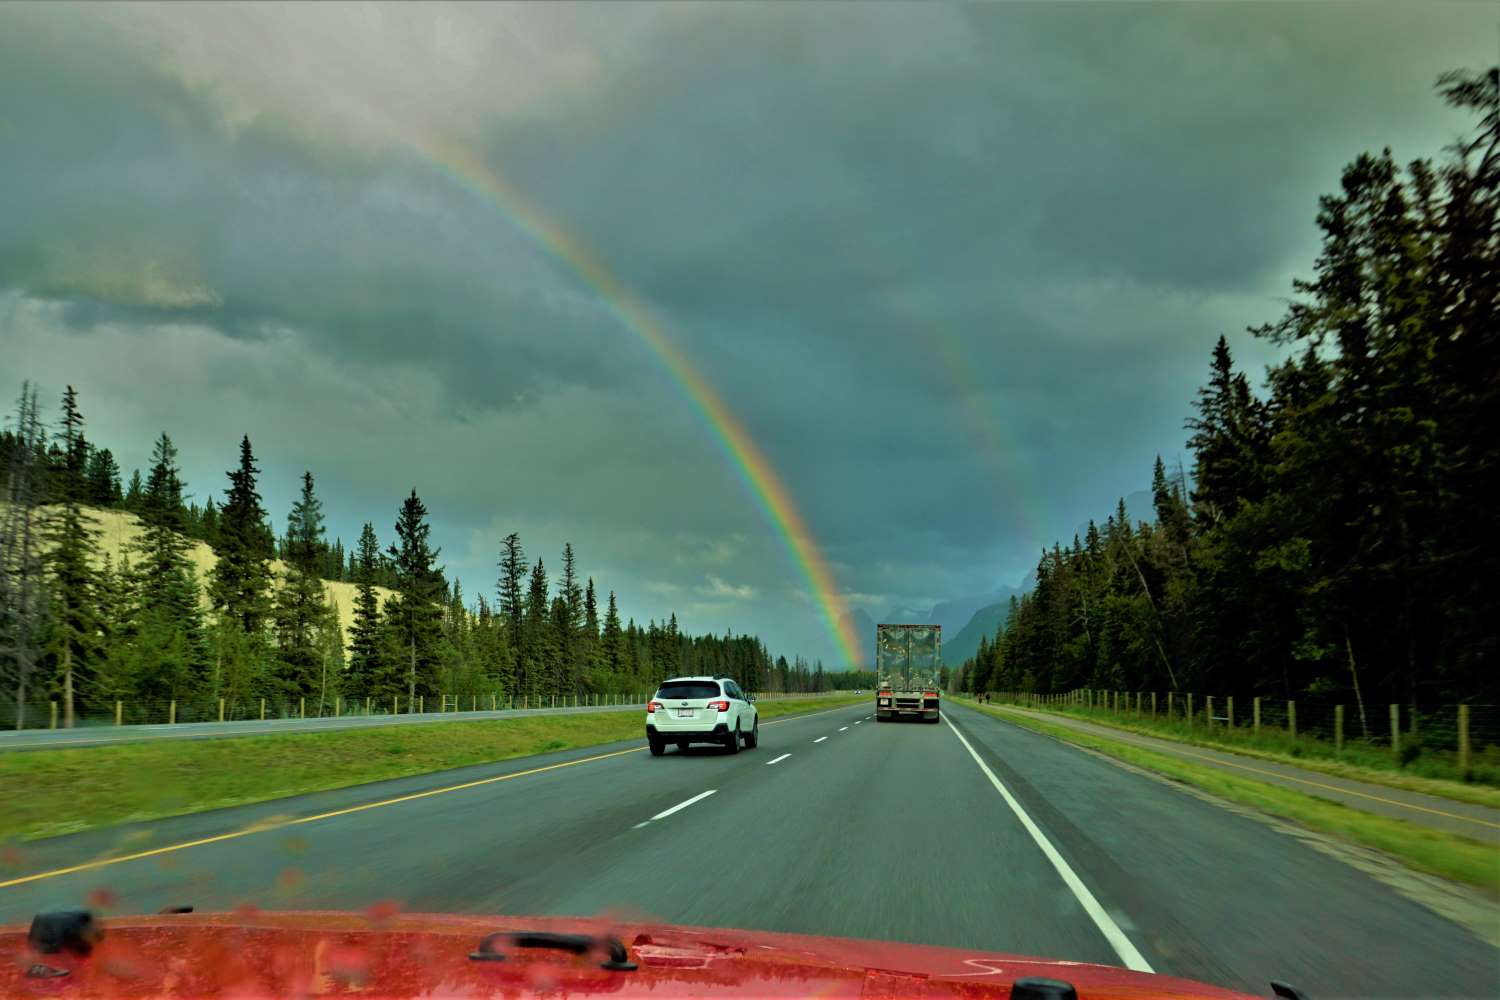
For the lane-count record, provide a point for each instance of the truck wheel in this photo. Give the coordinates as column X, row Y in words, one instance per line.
column 732, row 743
column 657, row 746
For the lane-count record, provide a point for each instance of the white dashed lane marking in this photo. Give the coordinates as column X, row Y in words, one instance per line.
column 679, row 806
column 778, row 760
column 820, row 739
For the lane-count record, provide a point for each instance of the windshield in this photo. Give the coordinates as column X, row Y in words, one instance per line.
column 1065, row 436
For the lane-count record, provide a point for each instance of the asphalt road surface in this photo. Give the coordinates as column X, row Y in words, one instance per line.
column 972, row 833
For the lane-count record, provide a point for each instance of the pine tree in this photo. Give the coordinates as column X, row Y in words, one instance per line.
column 510, row 588
column 134, row 494
column 171, row 653
column 242, row 576
column 589, row 647
column 71, row 537
column 364, row 653
column 570, row 625
column 612, row 642
column 415, row 611
column 103, row 479
column 301, row 609
column 539, row 649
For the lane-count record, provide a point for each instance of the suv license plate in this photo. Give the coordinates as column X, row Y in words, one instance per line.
column 686, row 713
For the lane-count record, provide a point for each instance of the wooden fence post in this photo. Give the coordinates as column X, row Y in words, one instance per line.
column 302, row 709
column 1153, row 706
column 1209, row 710
column 263, row 710
column 1229, row 712
column 1338, row 729
column 1463, row 740
column 1396, row 732
column 367, row 704
column 119, row 713
column 421, row 704
column 338, row 705
column 53, row 724
column 1291, row 718
column 1171, row 696
column 172, row 713
column 1257, row 715
column 1190, row 711
column 221, row 709
column 395, row 703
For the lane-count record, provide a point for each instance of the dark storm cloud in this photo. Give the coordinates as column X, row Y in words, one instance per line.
column 957, row 269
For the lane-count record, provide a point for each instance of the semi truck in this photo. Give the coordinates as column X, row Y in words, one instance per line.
column 906, row 671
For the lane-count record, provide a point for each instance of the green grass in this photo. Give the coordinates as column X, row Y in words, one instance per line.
column 1432, row 773
column 1434, row 851
column 52, row 792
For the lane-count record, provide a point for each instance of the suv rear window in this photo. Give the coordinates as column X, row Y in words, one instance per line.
column 689, row 689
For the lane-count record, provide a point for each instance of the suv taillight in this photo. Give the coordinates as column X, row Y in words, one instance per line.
column 718, row 706
column 929, row 694
column 652, row 706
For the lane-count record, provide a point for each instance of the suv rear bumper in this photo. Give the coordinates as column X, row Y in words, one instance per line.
column 716, row 734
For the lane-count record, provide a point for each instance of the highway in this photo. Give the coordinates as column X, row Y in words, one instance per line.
column 971, row 833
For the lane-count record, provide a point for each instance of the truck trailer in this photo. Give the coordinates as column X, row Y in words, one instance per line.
column 907, row 658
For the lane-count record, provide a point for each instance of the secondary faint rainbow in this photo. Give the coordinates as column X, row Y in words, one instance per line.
column 1006, row 459
column 749, row 462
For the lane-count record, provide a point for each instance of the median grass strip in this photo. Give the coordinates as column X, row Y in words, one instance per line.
column 1434, row 851
column 52, row 792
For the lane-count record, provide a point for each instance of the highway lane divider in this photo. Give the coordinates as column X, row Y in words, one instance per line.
column 677, row 808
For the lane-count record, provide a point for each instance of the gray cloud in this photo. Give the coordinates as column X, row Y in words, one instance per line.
column 957, row 269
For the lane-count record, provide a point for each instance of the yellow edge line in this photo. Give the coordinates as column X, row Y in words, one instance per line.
column 282, row 824
column 1173, row 751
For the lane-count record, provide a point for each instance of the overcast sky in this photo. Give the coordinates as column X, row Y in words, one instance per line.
column 957, row 269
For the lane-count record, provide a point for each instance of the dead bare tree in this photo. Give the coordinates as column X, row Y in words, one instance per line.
column 23, row 593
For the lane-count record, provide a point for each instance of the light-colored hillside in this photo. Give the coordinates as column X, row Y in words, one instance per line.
column 117, row 530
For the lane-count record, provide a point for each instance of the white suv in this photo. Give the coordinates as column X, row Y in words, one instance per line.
column 701, row 710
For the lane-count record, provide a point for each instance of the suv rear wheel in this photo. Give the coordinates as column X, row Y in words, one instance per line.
column 732, row 741
column 752, row 738
column 657, row 746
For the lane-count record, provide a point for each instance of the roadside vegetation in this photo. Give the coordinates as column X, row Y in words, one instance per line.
column 1433, row 851
column 52, row 792
column 1330, row 540
column 1431, row 772
column 135, row 599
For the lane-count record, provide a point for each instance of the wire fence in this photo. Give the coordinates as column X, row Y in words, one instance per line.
column 52, row 714
column 1459, row 742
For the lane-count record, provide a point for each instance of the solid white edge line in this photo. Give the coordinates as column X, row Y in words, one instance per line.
column 1132, row 958
column 820, row 739
column 683, row 805
column 778, row 760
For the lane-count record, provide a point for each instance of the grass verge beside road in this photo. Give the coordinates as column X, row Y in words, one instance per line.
column 1356, row 760
column 53, row 792
column 1434, row 851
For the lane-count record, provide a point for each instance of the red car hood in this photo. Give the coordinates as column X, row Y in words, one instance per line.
column 247, row 955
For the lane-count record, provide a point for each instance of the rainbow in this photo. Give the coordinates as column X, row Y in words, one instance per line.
column 749, row 462
column 1015, row 476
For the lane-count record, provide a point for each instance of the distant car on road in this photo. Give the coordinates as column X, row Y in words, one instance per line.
column 688, row 710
